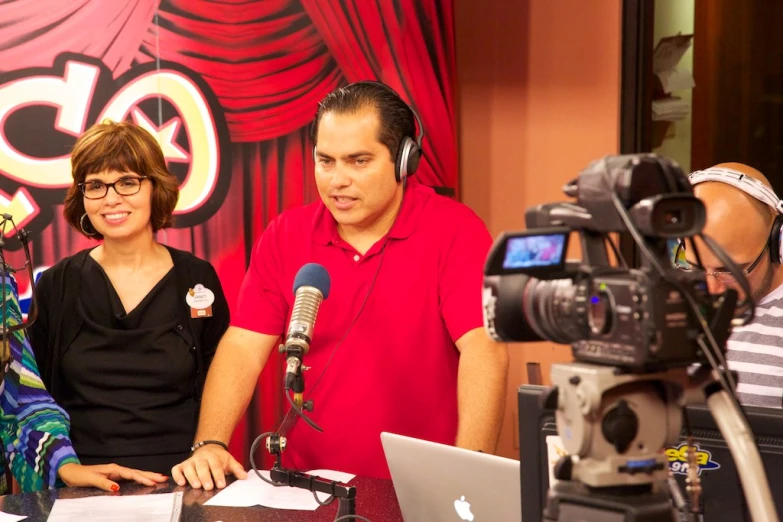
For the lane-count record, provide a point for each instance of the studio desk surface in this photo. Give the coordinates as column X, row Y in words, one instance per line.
column 375, row 499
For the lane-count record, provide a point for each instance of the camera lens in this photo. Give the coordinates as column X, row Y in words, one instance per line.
column 599, row 315
column 550, row 309
column 553, row 310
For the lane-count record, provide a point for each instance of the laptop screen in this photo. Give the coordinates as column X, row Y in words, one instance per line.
column 435, row 481
column 722, row 497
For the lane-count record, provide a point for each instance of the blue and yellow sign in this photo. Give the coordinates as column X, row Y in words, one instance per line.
column 678, row 459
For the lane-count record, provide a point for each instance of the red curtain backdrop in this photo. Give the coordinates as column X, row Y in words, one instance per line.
column 409, row 45
column 268, row 62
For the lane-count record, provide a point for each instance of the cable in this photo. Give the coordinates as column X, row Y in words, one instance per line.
column 676, row 495
column 253, row 460
column 711, row 357
column 283, row 424
column 662, row 272
column 4, row 297
column 620, row 258
column 714, row 356
column 286, row 419
column 325, row 502
column 301, row 413
column 741, row 442
column 711, row 351
column 157, row 69
column 694, row 509
column 355, row 319
column 739, row 275
column 734, row 270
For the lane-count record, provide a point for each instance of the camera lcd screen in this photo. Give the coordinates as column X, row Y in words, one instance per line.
column 534, row 251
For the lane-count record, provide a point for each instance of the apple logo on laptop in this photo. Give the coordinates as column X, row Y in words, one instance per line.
column 463, row 509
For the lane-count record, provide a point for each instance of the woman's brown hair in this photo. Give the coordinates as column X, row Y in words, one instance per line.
column 121, row 147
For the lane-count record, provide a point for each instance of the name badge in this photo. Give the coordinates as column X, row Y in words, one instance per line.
column 200, row 299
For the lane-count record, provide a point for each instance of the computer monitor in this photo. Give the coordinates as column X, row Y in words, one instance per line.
column 723, row 499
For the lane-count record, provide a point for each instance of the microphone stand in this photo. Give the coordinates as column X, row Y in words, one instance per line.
column 294, row 377
column 6, row 271
column 345, row 495
column 276, row 444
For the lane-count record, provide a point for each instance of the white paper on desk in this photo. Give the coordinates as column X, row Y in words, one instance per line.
column 164, row 507
column 255, row 492
column 8, row 517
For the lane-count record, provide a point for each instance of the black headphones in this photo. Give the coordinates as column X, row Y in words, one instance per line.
column 409, row 154
column 755, row 189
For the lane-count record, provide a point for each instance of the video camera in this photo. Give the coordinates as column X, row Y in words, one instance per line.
column 635, row 319
column 636, row 335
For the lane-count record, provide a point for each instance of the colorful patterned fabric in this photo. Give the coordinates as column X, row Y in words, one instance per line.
column 33, row 428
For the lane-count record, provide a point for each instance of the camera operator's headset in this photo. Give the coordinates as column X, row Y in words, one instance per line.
column 755, row 189
column 409, row 153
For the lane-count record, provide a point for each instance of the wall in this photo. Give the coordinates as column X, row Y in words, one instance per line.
column 538, row 88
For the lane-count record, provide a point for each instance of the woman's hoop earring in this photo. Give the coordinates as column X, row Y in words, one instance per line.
column 81, row 225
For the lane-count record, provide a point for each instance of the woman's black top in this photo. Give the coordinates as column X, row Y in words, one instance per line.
column 129, row 378
column 131, row 382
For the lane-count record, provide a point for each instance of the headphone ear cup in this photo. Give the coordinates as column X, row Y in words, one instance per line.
column 402, row 164
column 774, row 240
column 413, row 158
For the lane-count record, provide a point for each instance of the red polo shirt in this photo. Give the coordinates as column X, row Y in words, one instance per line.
column 397, row 368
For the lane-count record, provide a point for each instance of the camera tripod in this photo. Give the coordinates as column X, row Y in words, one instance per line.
column 615, row 427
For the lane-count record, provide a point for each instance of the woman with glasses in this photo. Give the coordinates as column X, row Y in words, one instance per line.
column 126, row 330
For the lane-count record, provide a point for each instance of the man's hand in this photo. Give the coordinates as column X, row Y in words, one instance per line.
column 103, row 476
column 231, row 379
column 206, row 463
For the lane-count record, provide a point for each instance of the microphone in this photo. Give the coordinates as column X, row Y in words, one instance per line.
column 311, row 286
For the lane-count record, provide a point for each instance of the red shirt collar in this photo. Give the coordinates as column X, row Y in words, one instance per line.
column 413, row 200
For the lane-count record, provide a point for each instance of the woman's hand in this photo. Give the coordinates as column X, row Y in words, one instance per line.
column 103, row 475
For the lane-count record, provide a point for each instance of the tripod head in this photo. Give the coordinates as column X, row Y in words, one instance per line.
column 615, row 428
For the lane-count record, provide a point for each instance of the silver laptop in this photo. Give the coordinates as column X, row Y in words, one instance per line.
column 435, row 482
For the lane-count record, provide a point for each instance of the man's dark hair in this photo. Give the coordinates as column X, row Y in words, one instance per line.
column 395, row 117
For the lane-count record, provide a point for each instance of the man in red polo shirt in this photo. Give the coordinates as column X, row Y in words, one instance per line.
column 399, row 343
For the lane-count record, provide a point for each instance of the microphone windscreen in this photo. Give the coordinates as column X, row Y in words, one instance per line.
column 313, row 274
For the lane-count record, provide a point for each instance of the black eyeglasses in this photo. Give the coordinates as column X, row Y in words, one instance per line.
column 724, row 276
column 125, row 186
